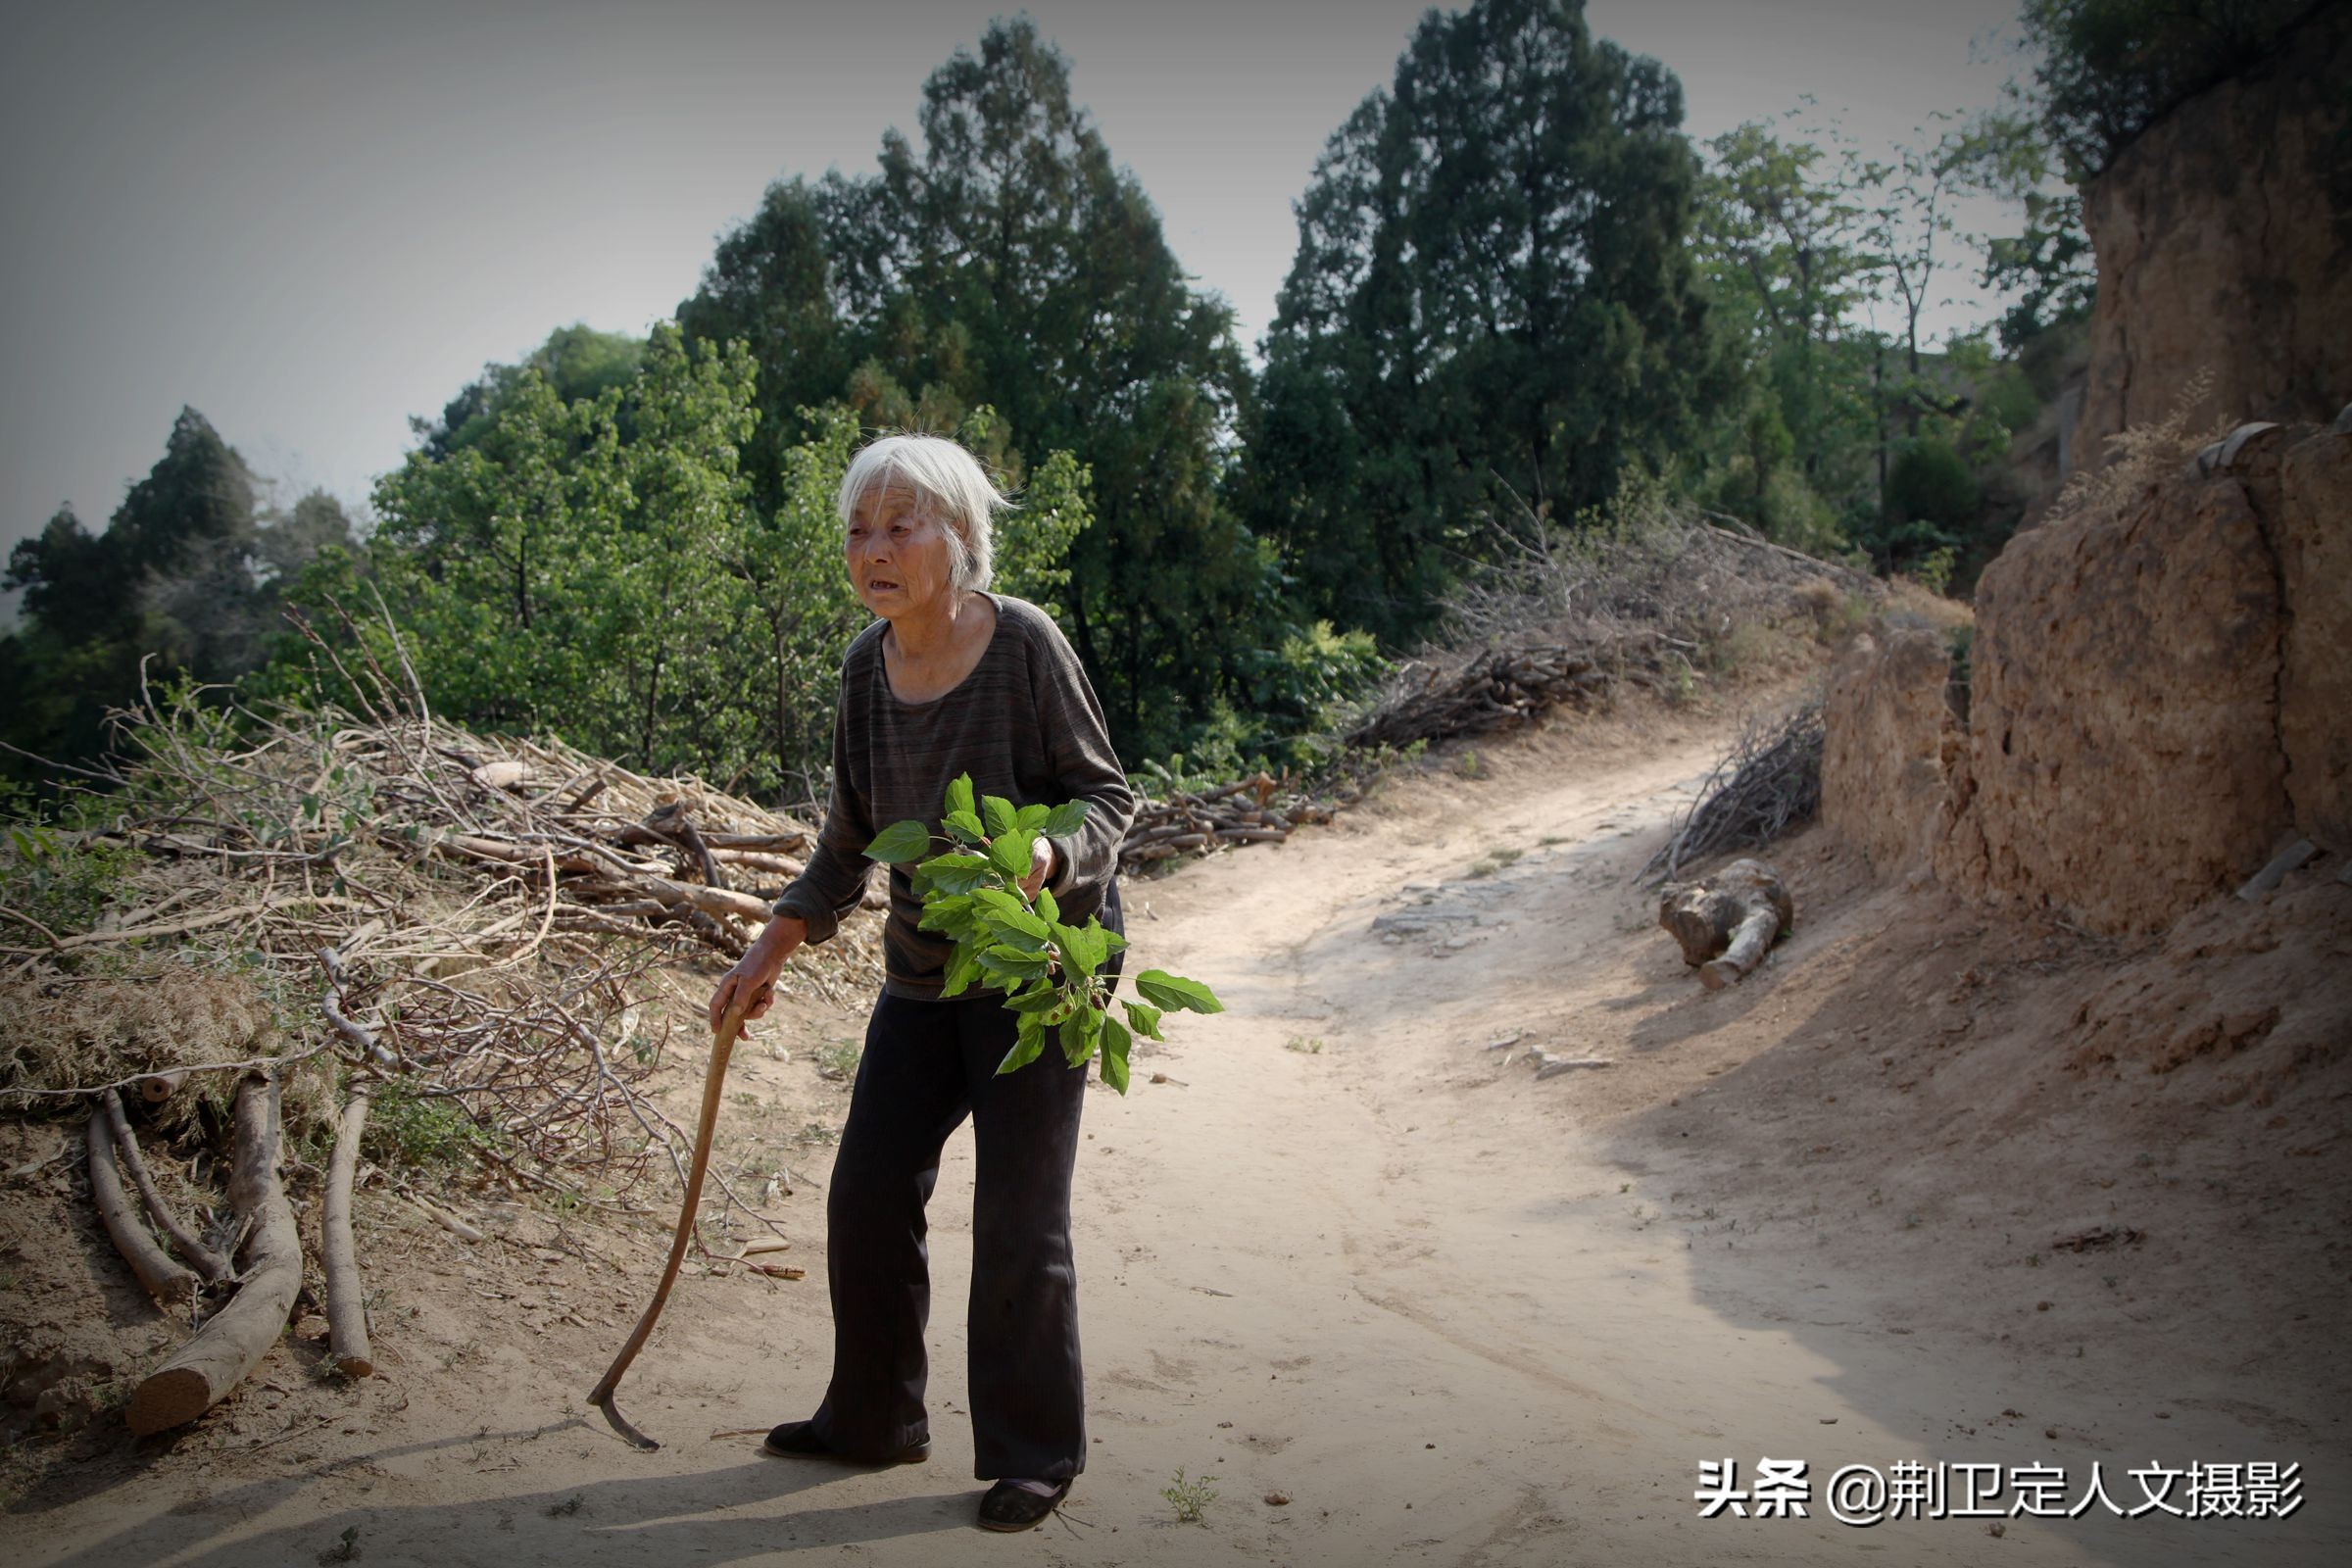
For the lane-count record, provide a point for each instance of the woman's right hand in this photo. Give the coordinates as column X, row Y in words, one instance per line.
column 754, row 973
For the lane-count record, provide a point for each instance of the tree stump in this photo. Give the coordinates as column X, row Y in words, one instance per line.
column 1725, row 922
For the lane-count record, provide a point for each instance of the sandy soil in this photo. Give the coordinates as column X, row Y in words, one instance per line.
column 1344, row 1249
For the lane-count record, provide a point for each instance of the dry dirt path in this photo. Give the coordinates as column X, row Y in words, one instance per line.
column 1343, row 1255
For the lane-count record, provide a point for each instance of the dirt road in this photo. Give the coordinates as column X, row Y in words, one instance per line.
column 1348, row 1254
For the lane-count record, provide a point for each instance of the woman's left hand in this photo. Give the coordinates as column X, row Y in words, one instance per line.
column 1041, row 867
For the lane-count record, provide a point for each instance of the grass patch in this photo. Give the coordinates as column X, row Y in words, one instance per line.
column 1493, row 862
column 417, row 1131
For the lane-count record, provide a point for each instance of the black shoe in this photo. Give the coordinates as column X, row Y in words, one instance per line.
column 798, row 1439
column 1010, row 1507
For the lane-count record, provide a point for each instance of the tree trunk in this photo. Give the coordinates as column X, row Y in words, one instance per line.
column 1725, row 925
column 233, row 1339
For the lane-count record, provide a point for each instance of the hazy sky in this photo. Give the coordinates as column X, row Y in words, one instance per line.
column 313, row 220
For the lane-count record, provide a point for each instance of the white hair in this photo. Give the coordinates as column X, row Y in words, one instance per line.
column 949, row 485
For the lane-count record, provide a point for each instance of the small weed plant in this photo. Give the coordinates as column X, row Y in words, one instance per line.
column 1190, row 1498
column 412, row 1130
column 1050, row 973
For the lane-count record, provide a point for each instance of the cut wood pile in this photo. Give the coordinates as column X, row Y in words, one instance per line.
column 1564, row 618
column 258, row 934
column 1258, row 809
column 1769, row 782
column 1562, row 621
column 1498, row 689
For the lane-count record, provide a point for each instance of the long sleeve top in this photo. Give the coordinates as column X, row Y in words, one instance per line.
column 1024, row 723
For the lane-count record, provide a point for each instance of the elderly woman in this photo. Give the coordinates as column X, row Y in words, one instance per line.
column 951, row 679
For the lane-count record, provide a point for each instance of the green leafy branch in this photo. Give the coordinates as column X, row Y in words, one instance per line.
column 1051, row 972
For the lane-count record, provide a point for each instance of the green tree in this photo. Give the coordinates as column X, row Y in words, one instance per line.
column 1011, row 263
column 2108, row 69
column 577, row 361
column 171, row 577
column 1780, row 241
column 551, row 574
column 1493, row 303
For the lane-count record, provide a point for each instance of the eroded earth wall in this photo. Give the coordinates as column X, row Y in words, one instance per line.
column 2159, row 698
column 2224, row 235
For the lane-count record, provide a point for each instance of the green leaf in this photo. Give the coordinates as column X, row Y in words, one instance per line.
column 1064, row 819
column 996, row 898
column 1046, row 909
column 1027, row 1046
column 1038, row 1001
column 959, row 794
column 1002, row 818
column 1143, row 1020
column 1079, row 1033
column 945, row 914
column 900, row 843
column 1021, row 920
column 1113, row 942
column 958, row 873
column 1116, row 1042
column 1174, row 991
column 1032, row 818
column 962, row 970
column 1010, row 854
column 965, row 825
column 1077, row 951
column 1008, row 962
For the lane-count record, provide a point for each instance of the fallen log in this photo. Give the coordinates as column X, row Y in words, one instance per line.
column 200, row 1374
column 1726, row 923
column 209, row 1263
column 158, row 1087
column 346, row 1314
column 161, row 1277
column 782, row 865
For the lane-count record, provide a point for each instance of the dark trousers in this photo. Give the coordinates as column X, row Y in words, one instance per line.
column 928, row 1066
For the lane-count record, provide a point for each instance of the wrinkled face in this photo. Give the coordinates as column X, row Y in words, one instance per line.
column 898, row 553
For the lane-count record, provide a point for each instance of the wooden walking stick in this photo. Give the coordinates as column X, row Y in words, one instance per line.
column 729, row 1026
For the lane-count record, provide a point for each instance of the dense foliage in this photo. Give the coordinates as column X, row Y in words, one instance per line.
column 1517, row 285
column 1492, row 304
column 2109, row 68
column 188, row 574
column 1009, row 263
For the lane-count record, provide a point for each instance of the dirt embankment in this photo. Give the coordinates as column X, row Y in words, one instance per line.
column 2154, row 700
column 2225, row 247
column 2124, row 1059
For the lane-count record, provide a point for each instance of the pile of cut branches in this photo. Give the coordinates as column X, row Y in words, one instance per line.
column 1258, row 809
column 1562, row 619
column 1498, row 688
column 480, row 921
column 1769, row 782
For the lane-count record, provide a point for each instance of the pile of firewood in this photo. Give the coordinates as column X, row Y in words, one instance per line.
column 1767, row 783
column 1498, row 688
column 1258, row 809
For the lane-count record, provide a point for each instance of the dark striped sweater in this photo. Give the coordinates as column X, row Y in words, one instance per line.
column 1024, row 723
